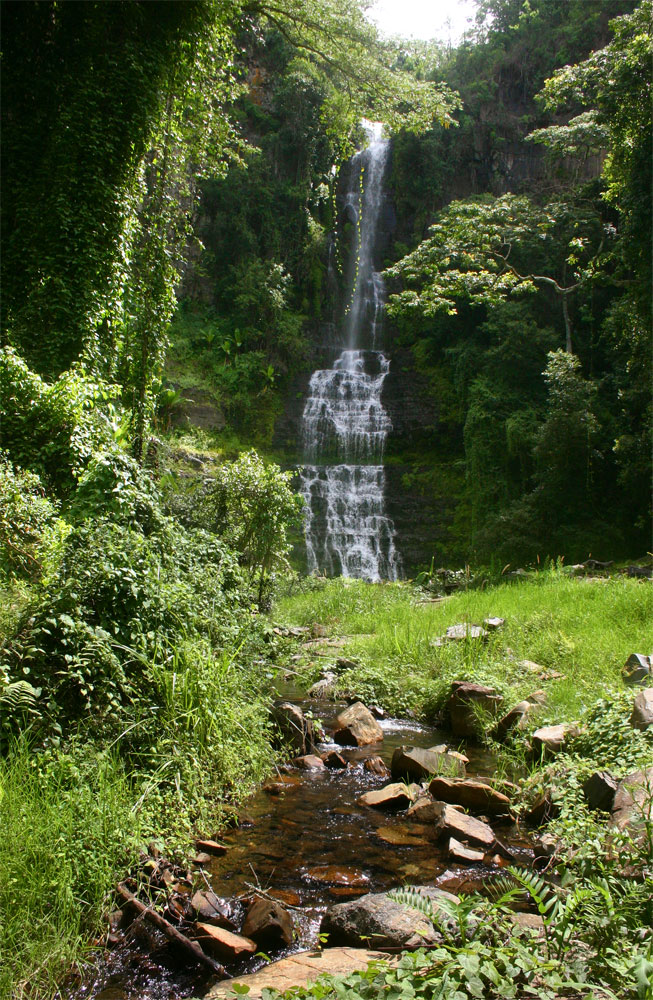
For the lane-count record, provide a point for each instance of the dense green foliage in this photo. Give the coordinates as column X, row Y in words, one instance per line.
column 546, row 258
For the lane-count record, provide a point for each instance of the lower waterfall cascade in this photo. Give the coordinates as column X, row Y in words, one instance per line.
column 344, row 423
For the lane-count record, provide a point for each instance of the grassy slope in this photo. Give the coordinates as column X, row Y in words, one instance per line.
column 583, row 629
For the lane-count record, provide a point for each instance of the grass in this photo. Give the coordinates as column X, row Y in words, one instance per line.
column 75, row 817
column 67, row 827
column 581, row 629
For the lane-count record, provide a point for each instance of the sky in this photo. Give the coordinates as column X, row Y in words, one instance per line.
column 423, row 18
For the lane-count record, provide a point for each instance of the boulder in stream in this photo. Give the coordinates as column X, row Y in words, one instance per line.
column 295, row 729
column 392, row 797
column 377, row 765
column 473, row 794
column 268, row 924
column 226, row 946
column 210, row 909
column 381, row 922
column 309, row 762
column 334, row 761
column 357, row 727
column 418, row 763
column 451, row 822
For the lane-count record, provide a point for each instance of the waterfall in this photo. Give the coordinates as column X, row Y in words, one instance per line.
column 344, row 424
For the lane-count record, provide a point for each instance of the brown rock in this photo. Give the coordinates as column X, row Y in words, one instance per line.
column 543, row 809
column 516, row 718
column 211, row 847
column 296, row 730
column 268, row 924
column 296, row 971
column 636, row 669
column 599, row 790
column 357, row 727
column 459, row 852
column 201, row 859
column 452, row 823
column 334, row 761
column 550, row 740
column 642, row 714
column 423, row 810
column 309, row 762
column 633, row 802
column 472, row 794
column 418, row 763
column 224, row 944
column 338, row 875
column 377, row 765
column 346, row 891
column 401, row 836
column 392, row 797
column 210, row 909
column 286, row 896
column 466, row 701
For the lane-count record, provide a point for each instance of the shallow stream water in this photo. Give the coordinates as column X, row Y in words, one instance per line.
column 307, row 842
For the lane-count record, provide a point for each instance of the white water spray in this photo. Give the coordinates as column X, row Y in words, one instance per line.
column 347, row 531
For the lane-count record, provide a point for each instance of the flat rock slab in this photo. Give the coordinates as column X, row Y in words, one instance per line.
column 472, row 794
column 338, row 875
column 211, row 847
column 401, row 837
column 459, row 852
column 224, row 944
column 418, row 763
column 451, row 822
column 382, row 922
column 297, row 970
column 392, row 797
column 357, row 727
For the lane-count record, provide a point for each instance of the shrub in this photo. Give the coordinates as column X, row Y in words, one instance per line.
column 25, row 517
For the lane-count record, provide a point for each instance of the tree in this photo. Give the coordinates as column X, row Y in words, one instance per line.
column 251, row 506
column 614, row 83
column 486, row 249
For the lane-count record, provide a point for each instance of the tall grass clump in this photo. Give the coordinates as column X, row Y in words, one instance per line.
column 68, row 825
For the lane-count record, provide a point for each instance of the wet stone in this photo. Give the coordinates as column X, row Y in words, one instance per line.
column 309, row 762
column 337, row 875
column 459, row 852
column 451, row 822
column 377, row 919
column 357, row 727
column 210, row 909
column 268, row 924
column 211, row 847
column 377, row 765
column 472, row 794
column 400, row 837
column 334, row 761
column 417, row 763
column 223, row 943
column 392, row 797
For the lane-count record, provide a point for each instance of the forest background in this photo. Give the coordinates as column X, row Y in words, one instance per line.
column 170, row 202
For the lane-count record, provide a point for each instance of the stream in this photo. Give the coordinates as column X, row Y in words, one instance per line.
column 304, row 840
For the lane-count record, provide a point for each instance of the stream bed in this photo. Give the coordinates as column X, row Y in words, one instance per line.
column 303, row 839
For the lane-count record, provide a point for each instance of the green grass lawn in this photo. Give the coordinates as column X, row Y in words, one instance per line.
column 582, row 629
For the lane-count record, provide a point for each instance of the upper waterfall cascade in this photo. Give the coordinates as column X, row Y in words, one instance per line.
column 347, row 531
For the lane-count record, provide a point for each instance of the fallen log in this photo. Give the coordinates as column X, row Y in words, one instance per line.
column 190, row 947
